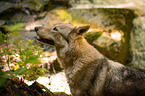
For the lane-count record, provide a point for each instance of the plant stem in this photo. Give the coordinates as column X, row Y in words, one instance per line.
column 8, row 59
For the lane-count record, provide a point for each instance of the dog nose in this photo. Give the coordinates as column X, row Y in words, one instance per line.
column 37, row 28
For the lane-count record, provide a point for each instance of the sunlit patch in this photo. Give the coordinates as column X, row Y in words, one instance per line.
column 48, row 57
column 13, row 65
column 44, row 81
column 116, row 35
column 31, row 26
column 95, row 29
column 29, row 82
column 106, row 34
column 59, row 83
column 56, row 83
column 90, row 30
column 44, row 90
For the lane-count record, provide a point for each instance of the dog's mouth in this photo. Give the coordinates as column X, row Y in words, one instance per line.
column 45, row 41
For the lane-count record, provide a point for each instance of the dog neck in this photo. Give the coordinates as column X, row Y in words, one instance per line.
column 74, row 51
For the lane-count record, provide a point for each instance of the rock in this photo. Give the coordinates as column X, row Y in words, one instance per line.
column 11, row 13
column 42, row 14
column 60, row 94
column 138, row 43
column 39, row 89
column 32, row 4
column 19, row 88
column 110, row 21
column 92, row 36
column 2, row 22
column 22, row 10
column 60, row 2
column 17, row 16
column 5, row 6
column 58, row 83
column 111, row 46
column 133, row 24
column 136, row 5
column 35, row 5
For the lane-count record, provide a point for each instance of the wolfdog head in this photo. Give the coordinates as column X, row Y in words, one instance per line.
column 60, row 34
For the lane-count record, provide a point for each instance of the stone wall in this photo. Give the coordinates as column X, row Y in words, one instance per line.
column 136, row 27
column 110, row 20
column 138, row 42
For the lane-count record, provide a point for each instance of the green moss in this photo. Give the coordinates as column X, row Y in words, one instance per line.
column 64, row 15
column 75, row 17
column 91, row 36
column 78, row 18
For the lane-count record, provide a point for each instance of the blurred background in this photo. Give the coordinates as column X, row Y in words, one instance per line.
column 28, row 67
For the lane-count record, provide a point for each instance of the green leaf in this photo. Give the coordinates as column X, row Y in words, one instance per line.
column 32, row 46
column 25, row 62
column 1, row 72
column 20, row 70
column 23, row 53
column 1, row 37
column 16, row 27
column 35, row 61
column 2, row 81
column 33, row 57
column 11, row 40
column 9, row 72
column 1, row 54
column 29, row 52
column 15, row 34
column 30, row 41
column 7, row 77
column 13, row 47
column 19, row 62
column 5, row 49
column 14, row 51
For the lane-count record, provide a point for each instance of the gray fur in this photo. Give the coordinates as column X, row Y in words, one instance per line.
column 88, row 72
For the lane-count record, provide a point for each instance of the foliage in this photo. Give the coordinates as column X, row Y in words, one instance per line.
column 1, row 36
column 22, row 58
column 14, row 28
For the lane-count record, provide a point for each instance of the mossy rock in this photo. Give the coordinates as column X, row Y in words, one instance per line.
column 16, row 87
column 91, row 36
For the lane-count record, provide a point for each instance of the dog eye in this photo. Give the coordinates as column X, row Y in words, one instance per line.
column 55, row 29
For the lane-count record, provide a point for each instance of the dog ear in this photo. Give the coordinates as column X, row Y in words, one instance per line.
column 82, row 29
